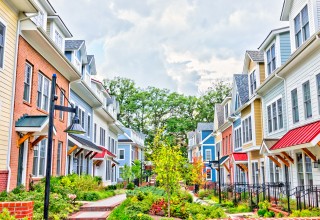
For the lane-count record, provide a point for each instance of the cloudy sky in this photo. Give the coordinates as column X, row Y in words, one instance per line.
column 182, row 45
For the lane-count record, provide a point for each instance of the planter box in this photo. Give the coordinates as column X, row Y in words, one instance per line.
column 19, row 209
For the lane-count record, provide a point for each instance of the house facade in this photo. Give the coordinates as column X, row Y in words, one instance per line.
column 10, row 16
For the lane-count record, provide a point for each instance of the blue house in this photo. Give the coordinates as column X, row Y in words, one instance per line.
column 201, row 143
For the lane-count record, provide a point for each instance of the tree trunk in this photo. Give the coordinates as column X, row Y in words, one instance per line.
column 168, row 205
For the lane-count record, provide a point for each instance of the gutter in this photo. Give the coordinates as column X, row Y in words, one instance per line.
column 14, row 93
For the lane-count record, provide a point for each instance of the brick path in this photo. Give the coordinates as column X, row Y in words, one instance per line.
column 98, row 210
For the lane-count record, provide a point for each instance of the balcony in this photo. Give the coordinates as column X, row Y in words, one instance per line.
column 87, row 78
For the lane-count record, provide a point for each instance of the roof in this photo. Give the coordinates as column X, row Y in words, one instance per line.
column 103, row 153
column 31, row 120
column 270, row 142
column 285, row 10
column 255, row 55
column 297, row 136
column 220, row 114
column 242, row 87
column 223, row 159
column 272, row 35
column 204, row 126
column 85, row 142
column 240, row 156
column 73, row 44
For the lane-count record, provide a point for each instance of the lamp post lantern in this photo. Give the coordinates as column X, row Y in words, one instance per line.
column 74, row 128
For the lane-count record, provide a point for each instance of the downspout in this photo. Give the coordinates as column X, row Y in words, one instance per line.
column 13, row 93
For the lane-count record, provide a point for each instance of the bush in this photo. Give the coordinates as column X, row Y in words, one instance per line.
column 279, row 215
column 269, row 214
column 262, row 212
column 130, row 186
column 5, row 215
column 241, row 208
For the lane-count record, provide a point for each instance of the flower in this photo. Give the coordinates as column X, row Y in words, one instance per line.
column 72, row 196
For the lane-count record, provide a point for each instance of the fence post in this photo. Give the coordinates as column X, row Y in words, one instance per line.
column 317, row 201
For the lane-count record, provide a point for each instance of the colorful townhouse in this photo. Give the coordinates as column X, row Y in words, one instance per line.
column 201, row 143
column 298, row 149
column 10, row 19
column 218, row 121
column 276, row 48
column 131, row 148
column 40, row 54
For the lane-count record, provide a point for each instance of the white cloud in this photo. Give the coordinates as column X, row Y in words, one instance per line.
column 182, row 45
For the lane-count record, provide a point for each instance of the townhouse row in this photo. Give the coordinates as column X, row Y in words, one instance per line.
column 35, row 43
column 268, row 128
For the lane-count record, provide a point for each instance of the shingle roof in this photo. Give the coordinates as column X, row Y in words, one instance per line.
column 256, row 55
column 73, row 44
column 202, row 126
column 31, row 120
column 89, row 57
column 86, row 143
column 220, row 114
column 242, row 86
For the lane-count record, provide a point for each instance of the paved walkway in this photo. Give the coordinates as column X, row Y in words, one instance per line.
column 98, row 210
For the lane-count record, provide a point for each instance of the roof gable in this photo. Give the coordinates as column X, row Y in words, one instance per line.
column 241, row 81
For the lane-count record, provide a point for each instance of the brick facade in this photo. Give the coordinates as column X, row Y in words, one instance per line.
column 19, row 209
column 3, row 180
column 27, row 54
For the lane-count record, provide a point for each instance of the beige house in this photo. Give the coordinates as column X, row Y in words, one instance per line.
column 10, row 16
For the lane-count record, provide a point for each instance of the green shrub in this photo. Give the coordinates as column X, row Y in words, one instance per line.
column 262, row 212
column 269, row 214
column 306, row 213
column 264, row 205
column 5, row 215
column 130, row 186
column 279, row 215
column 140, row 216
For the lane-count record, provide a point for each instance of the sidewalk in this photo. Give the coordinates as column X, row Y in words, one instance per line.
column 98, row 210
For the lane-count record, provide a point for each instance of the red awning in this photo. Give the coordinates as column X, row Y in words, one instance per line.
column 240, row 156
column 297, row 136
column 104, row 152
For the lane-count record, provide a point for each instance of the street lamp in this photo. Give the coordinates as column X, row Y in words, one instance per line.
column 217, row 162
column 74, row 128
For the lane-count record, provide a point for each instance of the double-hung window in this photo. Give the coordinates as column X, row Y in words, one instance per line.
column 209, row 174
column 275, row 115
column 237, row 138
column 95, row 133
column 102, row 137
column 112, row 146
column 208, row 155
column 318, row 91
column 39, row 158
column 43, row 92
column 247, row 129
column 253, row 82
column 89, row 125
column 271, row 59
column 226, row 112
column 59, row 155
column 121, row 154
column 62, row 96
column 27, row 82
column 295, row 107
column 81, row 117
column 307, row 99
column 301, row 27
column 2, row 40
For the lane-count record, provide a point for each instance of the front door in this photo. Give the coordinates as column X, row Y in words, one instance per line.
column 20, row 165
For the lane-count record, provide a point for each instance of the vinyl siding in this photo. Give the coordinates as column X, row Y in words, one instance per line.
column 127, row 153
column 6, row 79
column 275, row 91
column 258, row 122
column 251, row 66
column 246, row 111
column 262, row 73
column 285, row 48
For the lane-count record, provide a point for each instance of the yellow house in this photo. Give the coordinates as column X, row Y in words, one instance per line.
column 251, row 117
column 10, row 16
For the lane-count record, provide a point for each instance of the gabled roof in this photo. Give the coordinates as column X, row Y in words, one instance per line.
column 103, row 153
column 59, row 22
column 271, row 36
column 85, row 143
column 243, row 88
column 205, row 126
column 220, row 114
column 240, row 156
column 73, row 44
column 255, row 55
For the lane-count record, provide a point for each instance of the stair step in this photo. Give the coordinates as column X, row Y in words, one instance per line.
column 90, row 215
column 96, row 208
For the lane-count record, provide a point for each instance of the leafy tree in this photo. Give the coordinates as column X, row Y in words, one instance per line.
column 198, row 176
column 127, row 173
column 168, row 163
column 136, row 169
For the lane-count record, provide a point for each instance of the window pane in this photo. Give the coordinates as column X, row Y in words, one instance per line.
column 307, row 100
column 39, row 98
column 279, row 103
column 45, row 94
column 274, row 116
column 269, row 119
column 304, row 16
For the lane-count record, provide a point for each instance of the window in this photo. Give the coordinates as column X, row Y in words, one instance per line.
column 237, row 138
column 308, row 164
column 62, row 92
column 307, row 100
column 108, row 170
column 240, row 175
column 271, row 59
column 275, row 115
column 253, row 82
column 80, row 164
column 121, row 154
column 59, row 154
column 2, row 38
column 102, row 137
column 255, row 173
column 226, row 112
column 58, row 39
column 79, row 55
column 89, row 125
column 247, row 130
column 318, row 89
column 209, row 174
column 27, row 82
column 300, row 169
column 295, row 107
column 301, row 27
column 81, row 117
column 39, row 158
column 208, row 155
column 43, row 92
column 112, row 146
column 95, row 133
column 109, row 144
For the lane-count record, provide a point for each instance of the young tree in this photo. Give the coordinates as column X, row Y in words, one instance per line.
column 127, row 173
column 198, row 176
column 168, row 163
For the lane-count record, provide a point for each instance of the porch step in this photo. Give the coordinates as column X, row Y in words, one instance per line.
column 90, row 215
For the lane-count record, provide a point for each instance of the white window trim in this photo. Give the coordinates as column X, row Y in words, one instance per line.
column 82, row 109
column 234, row 137
column 88, row 133
column 45, row 160
column 208, row 150
column 207, row 168
column 249, row 78
column 242, row 121
column 4, row 43
column 59, row 142
column 294, row 34
column 124, row 156
column 266, row 57
column 266, row 113
column 42, row 92
column 31, row 75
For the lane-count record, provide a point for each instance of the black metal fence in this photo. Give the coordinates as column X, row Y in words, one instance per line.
column 307, row 196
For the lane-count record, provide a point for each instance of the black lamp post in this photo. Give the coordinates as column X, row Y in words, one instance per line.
column 217, row 162
column 74, row 128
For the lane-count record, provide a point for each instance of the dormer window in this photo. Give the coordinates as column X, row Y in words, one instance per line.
column 271, row 59
column 253, row 82
column 301, row 27
column 226, row 111
column 58, row 39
